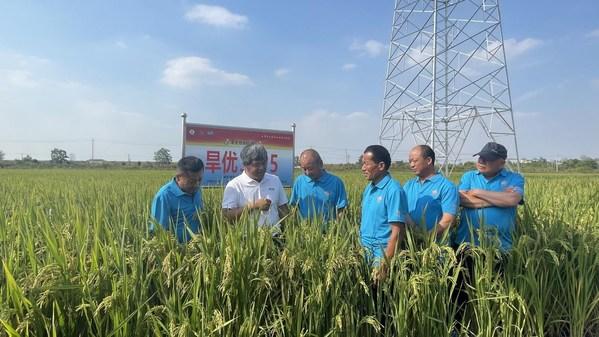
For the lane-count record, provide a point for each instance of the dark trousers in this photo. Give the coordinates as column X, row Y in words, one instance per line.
column 467, row 278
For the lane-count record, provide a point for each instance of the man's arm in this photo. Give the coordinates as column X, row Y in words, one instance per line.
column 283, row 211
column 342, row 203
column 508, row 198
column 235, row 213
column 160, row 213
column 445, row 223
column 398, row 231
column 410, row 222
column 470, row 201
column 450, row 201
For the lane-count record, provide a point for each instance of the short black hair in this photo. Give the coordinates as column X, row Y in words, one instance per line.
column 427, row 152
column 379, row 154
column 189, row 164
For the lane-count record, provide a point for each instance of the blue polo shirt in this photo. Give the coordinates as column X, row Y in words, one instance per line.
column 173, row 208
column 382, row 204
column 496, row 223
column 318, row 199
column 430, row 198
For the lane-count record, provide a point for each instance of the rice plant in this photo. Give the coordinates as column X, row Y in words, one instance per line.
column 77, row 260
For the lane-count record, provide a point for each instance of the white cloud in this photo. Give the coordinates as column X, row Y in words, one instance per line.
column 216, row 16
column 529, row 95
column 121, row 44
column 593, row 34
column 186, row 72
column 19, row 78
column 23, row 71
column 419, row 54
column 21, row 60
column 281, row 72
column 526, row 114
column 371, row 48
column 349, row 66
column 76, row 113
column 514, row 48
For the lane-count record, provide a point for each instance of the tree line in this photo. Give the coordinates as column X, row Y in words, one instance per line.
column 163, row 157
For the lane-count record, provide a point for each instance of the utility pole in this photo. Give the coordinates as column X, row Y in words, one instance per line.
column 293, row 151
column 183, row 133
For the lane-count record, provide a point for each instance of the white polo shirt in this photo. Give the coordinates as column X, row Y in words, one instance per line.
column 242, row 190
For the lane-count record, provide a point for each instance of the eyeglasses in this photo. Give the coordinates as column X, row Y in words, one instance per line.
column 257, row 164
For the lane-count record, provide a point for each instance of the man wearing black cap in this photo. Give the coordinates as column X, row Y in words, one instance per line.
column 489, row 197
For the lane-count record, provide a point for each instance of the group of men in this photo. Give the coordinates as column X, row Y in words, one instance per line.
column 488, row 197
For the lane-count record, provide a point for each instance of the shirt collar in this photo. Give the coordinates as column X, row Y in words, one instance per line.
column 248, row 180
column 501, row 173
column 173, row 187
column 382, row 182
column 432, row 178
column 322, row 178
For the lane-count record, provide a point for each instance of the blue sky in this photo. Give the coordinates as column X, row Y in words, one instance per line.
column 122, row 72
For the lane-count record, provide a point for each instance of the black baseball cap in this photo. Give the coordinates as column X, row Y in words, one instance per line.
column 492, row 151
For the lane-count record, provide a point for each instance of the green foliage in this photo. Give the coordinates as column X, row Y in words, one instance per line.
column 59, row 156
column 77, row 261
column 163, row 156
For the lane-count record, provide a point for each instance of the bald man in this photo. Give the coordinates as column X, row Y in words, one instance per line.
column 318, row 194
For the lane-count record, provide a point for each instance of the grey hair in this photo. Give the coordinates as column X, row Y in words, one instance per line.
column 253, row 152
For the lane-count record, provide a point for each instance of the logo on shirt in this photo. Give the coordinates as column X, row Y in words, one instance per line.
column 271, row 188
column 379, row 198
column 434, row 193
column 504, row 183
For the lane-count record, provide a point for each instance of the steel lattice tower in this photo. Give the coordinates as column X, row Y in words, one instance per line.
column 447, row 78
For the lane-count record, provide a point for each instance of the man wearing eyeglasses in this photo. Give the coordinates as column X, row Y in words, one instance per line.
column 255, row 190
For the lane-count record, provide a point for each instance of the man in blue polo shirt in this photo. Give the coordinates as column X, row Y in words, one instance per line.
column 383, row 206
column 489, row 197
column 177, row 204
column 432, row 199
column 318, row 194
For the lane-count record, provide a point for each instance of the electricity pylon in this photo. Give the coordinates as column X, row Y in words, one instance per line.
column 447, row 78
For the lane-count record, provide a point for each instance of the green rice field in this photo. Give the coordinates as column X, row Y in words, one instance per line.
column 76, row 260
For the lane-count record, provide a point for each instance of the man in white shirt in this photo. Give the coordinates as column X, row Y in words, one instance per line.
column 254, row 190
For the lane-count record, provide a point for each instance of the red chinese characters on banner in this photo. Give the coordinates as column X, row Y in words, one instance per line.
column 213, row 160
column 230, row 162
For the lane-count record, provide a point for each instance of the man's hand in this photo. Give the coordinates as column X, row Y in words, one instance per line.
column 469, row 200
column 379, row 274
column 261, row 204
column 508, row 198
